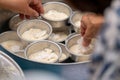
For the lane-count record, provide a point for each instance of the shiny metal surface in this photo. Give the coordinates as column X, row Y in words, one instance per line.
column 70, row 71
column 72, row 41
column 38, row 24
column 76, row 16
column 66, row 30
column 58, row 6
column 40, row 45
column 9, row 69
column 64, row 51
column 5, row 15
column 12, row 35
column 8, row 35
column 14, row 22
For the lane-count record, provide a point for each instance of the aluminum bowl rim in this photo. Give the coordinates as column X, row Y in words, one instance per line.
column 62, row 51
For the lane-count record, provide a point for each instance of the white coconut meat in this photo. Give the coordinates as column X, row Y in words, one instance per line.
column 46, row 56
column 13, row 45
column 35, row 34
column 55, row 15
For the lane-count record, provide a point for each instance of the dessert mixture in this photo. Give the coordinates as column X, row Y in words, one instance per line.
column 55, row 15
column 58, row 36
column 77, row 24
column 46, row 56
column 63, row 57
column 78, row 48
column 13, row 45
column 35, row 34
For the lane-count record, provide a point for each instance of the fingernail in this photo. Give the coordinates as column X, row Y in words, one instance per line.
column 85, row 44
column 36, row 15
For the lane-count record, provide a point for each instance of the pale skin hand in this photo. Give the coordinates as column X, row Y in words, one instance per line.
column 24, row 7
column 90, row 26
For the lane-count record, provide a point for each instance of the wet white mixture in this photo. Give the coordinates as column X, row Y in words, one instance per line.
column 63, row 57
column 78, row 24
column 55, row 15
column 9, row 70
column 78, row 48
column 47, row 56
column 58, row 36
column 35, row 34
column 13, row 45
column 20, row 54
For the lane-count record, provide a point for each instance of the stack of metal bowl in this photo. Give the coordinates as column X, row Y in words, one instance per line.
column 75, row 20
column 53, row 28
column 66, row 66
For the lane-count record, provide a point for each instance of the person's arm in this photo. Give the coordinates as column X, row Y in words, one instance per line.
column 24, row 7
column 90, row 23
column 90, row 26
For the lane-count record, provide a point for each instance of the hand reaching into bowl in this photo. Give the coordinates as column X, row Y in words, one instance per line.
column 90, row 26
column 26, row 8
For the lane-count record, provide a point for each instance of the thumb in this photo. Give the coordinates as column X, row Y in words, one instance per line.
column 32, row 12
column 88, row 35
column 86, row 41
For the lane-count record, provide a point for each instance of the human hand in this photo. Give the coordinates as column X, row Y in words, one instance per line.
column 90, row 26
column 24, row 7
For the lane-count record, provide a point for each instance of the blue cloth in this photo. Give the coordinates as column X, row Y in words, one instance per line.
column 106, row 57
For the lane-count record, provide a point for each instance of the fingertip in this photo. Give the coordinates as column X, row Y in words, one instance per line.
column 85, row 44
column 41, row 8
column 42, row 11
column 36, row 14
column 82, row 32
column 86, row 41
column 33, row 13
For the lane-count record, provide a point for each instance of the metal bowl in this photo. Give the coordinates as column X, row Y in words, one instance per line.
column 76, row 16
column 58, row 6
column 5, row 15
column 9, row 69
column 14, row 22
column 40, row 45
column 8, row 35
column 66, row 70
column 12, row 35
column 36, row 24
column 69, row 36
column 64, row 52
column 66, row 31
column 76, row 57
